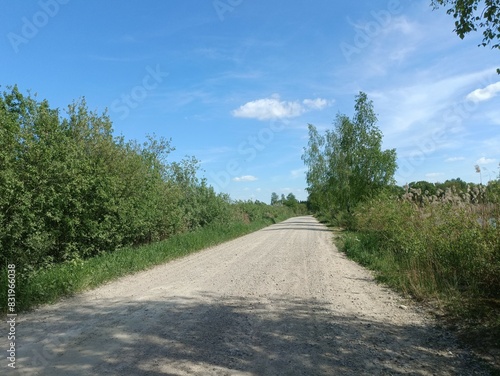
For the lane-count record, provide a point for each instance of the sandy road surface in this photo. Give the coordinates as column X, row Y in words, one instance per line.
column 281, row 301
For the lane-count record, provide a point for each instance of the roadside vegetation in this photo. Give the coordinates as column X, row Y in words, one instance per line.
column 439, row 243
column 79, row 206
column 50, row 283
column 442, row 248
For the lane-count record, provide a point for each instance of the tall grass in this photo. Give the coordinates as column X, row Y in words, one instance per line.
column 444, row 249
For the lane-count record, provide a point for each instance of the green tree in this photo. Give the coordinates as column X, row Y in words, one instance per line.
column 347, row 165
column 424, row 186
column 457, row 184
column 316, row 176
column 274, row 198
column 291, row 199
column 471, row 15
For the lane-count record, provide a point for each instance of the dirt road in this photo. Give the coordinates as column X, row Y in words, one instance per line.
column 281, row 301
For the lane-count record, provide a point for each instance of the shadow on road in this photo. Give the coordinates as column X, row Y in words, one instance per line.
column 281, row 228
column 306, row 225
column 232, row 335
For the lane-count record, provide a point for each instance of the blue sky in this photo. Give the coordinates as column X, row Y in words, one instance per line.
column 235, row 82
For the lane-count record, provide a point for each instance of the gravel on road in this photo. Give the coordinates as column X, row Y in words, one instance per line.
column 280, row 301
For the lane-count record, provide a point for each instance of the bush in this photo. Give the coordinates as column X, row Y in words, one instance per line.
column 70, row 190
column 446, row 247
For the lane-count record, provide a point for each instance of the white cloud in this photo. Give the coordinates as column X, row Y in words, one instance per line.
column 480, row 95
column 454, row 159
column 245, row 178
column 274, row 108
column 484, row 160
column 405, row 26
column 316, row 104
column 418, row 115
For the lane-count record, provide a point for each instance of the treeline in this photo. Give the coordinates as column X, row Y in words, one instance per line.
column 290, row 201
column 456, row 189
column 70, row 189
column 435, row 241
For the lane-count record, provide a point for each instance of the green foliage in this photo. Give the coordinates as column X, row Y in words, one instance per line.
column 472, row 15
column 291, row 202
column 347, row 165
column 457, row 184
column 493, row 191
column 70, row 190
column 249, row 211
column 424, row 186
column 50, row 284
column 274, row 198
column 447, row 248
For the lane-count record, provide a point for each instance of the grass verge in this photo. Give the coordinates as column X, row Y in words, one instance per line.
column 49, row 285
column 474, row 318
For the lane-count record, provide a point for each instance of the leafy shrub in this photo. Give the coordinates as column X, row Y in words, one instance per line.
column 70, row 190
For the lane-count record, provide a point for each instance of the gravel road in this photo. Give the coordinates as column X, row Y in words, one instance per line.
column 280, row 301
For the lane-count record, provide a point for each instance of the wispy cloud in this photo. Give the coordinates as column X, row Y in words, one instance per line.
column 419, row 114
column 274, row 108
column 316, row 104
column 245, row 178
column 454, row 159
column 484, row 160
column 484, row 94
